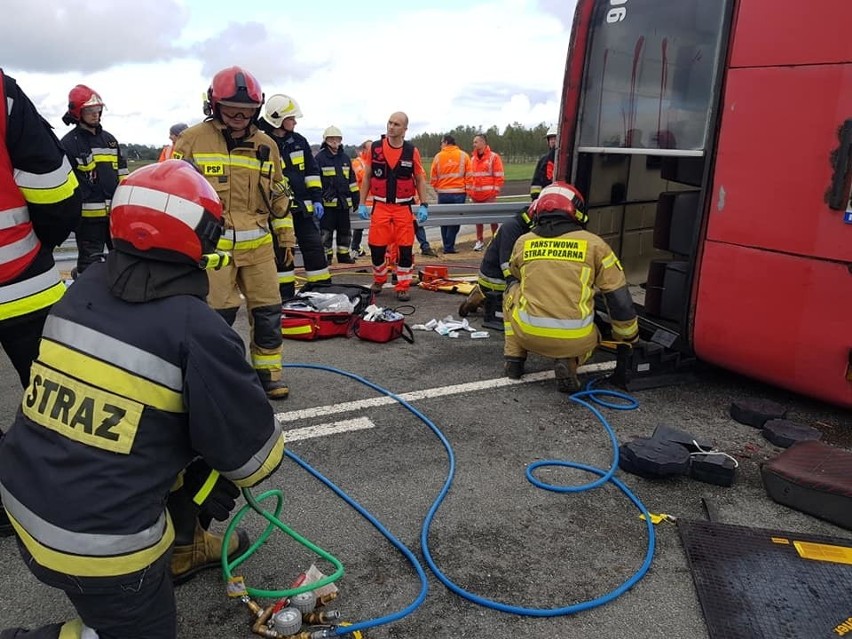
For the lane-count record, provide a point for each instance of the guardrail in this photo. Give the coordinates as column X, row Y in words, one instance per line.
column 439, row 215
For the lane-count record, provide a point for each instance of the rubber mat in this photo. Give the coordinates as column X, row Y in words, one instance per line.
column 755, row 583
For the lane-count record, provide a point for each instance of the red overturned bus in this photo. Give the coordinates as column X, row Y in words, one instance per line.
column 713, row 140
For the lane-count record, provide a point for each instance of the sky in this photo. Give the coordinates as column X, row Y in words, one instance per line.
column 445, row 63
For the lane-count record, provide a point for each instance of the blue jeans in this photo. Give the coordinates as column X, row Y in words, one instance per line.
column 449, row 233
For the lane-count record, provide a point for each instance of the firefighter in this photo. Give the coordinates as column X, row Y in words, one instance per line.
column 99, row 166
column 339, row 194
column 494, row 270
column 549, row 306
column 543, row 174
column 300, row 169
column 174, row 131
column 39, row 207
column 138, row 387
column 394, row 176
column 359, row 166
column 242, row 164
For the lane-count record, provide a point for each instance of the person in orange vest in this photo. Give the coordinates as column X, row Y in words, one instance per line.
column 486, row 180
column 174, row 132
column 450, row 173
column 359, row 163
column 394, row 175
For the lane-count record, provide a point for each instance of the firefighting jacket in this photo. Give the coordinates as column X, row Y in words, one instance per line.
column 247, row 178
column 98, row 165
column 300, row 169
column 121, row 398
column 450, row 170
column 558, row 274
column 494, row 269
column 39, row 205
column 486, row 175
column 339, row 184
column 543, row 174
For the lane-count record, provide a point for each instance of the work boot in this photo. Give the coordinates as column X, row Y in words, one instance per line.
column 345, row 258
column 428, row 252
column 376, row 288
column 204, row 553
column 403, row 296
column 275, row 388
column 566, row 375
column 514, row 367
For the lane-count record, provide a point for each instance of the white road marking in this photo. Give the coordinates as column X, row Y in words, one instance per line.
column 321, row 430
column 429, row 393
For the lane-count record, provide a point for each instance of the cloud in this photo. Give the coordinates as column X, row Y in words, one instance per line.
column 85, row 36
column 560, row 9
column 495, row 96
column 268, row 56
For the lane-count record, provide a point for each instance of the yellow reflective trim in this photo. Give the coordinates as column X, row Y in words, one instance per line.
column 204, row 492
column 71, row 630
column 313, row 182
column 109, row 377
column 586, row 291
column 266, row 361
column 32, row 303
column 95, row 566
column 274, row 458
column 297, row 330
column 287, row 278
column 81, row 412
column 225, row 244
column 95, row 212
column 507, row 328
column 88, row 167
column 611, row 260
column 317, row 277
column 282, row 223
column 54, row 195
column 557, row 333
column 625, row 330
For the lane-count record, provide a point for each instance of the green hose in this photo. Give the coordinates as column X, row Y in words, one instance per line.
column 253, row 504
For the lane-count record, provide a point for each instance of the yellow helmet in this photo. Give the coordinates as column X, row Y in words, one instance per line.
column 280, row 106
column 332, row 132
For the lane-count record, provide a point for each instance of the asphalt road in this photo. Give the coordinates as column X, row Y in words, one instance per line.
column 495, row 534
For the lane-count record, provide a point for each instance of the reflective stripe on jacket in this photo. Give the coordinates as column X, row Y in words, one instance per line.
column 125, row 397
column 450, row 170
column 38, row 185
column 98, row 165
column 339, row 184
column 486, row 175
column 247, row 180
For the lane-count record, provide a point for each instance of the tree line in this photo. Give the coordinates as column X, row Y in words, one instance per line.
column 516, row 143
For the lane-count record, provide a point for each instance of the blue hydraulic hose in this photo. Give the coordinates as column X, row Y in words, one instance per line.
column 424, row 584
column 594, row 396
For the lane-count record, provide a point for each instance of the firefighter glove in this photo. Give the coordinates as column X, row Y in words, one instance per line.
column 319, row 211
column 214, row 494
column 422, row 213
column 363, row 212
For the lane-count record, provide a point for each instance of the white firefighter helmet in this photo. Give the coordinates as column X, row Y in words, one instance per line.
column 332, row 132
column 552, row 131
column 280, row 106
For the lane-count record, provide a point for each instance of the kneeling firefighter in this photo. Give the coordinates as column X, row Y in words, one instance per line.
column 549, row 304
column 243, row 166
column 494, row 271
column 139, row 390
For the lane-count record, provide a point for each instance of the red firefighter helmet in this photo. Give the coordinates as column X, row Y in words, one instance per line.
column 561, row 197
column 80, row 97
column 166, row 211
column 236, row 87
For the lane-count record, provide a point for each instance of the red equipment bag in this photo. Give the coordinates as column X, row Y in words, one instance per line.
column 382, row 331
column 299, row 321
column 310, row 325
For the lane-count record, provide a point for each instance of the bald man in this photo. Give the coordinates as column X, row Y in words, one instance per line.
column 393, row 175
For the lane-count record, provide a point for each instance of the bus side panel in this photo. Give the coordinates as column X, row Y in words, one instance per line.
column 773, row 164
column 773, row 33
column 778, row 318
